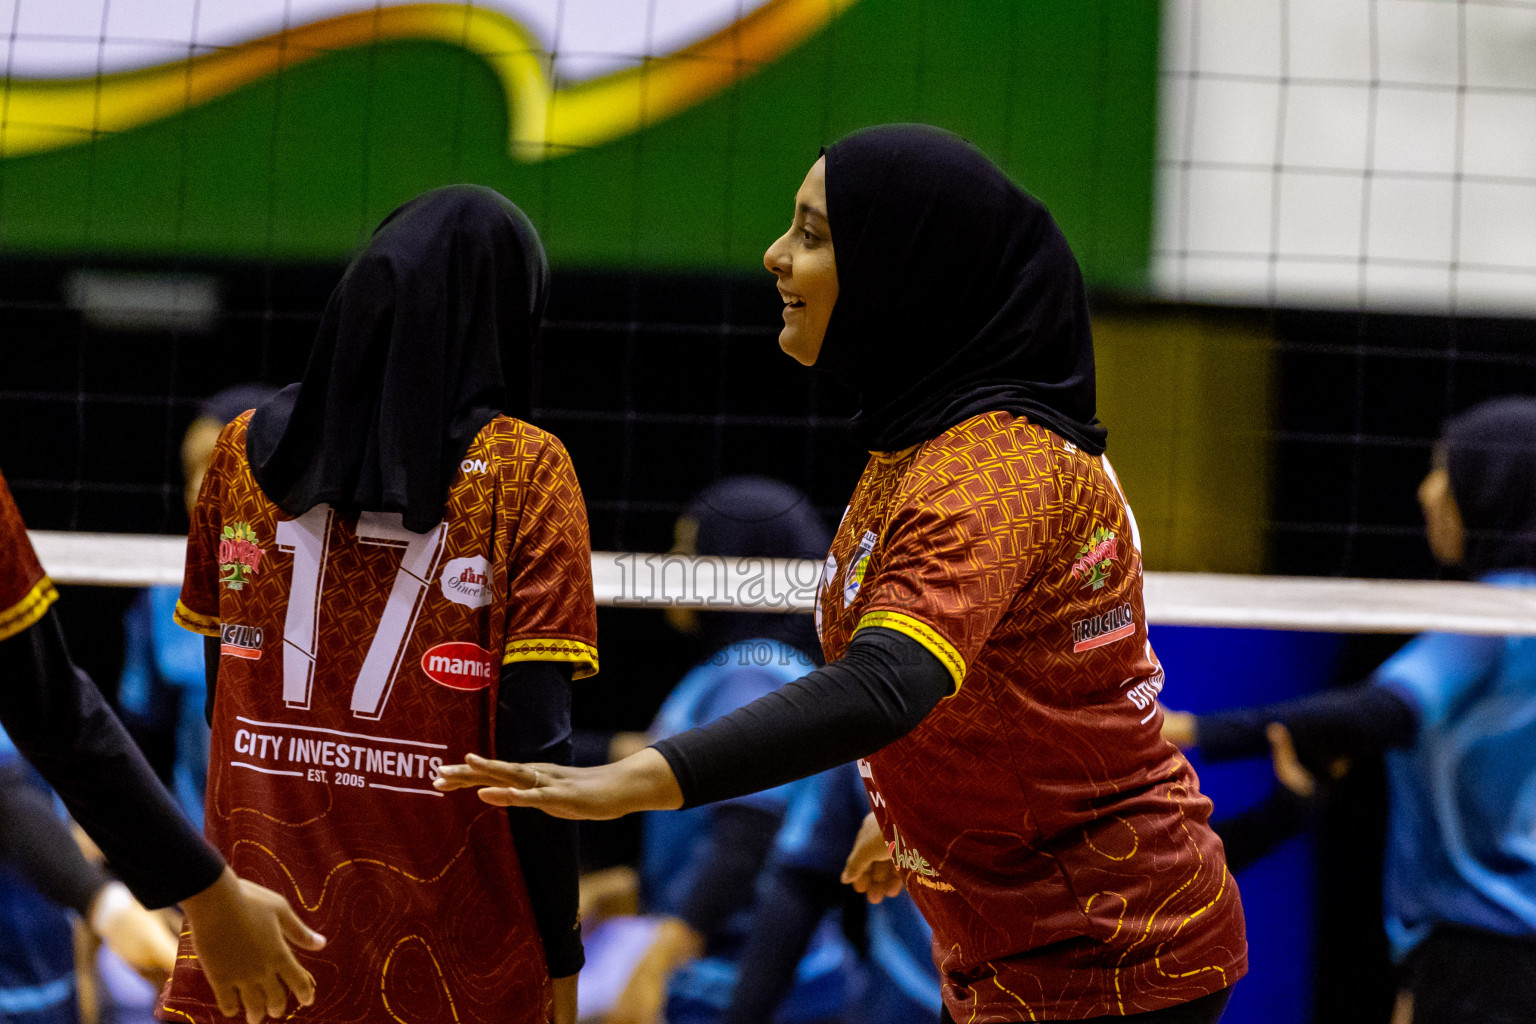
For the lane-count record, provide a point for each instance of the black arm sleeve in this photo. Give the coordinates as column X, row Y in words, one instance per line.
column 883, row 686
column 36, row 843
column 1251, row 835
column 61, row 723
column 533, row 723
column 210, row 675
column 1356, row 720
column 792, row 904
column 740, row 839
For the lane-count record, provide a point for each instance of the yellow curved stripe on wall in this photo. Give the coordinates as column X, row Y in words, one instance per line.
column 40, row 115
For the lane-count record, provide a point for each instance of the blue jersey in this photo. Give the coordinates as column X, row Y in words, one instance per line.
column 1462, row 829
column 729, row 680
column 37, row 952
column 675, row 840
column 818, row 832
column 163, row 661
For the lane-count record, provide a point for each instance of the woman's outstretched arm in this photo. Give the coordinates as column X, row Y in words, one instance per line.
column 877, row 693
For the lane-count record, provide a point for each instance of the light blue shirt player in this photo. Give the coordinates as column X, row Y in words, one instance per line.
column 37, row 953
column 674, row 841
column 823, row 821
column 1461, row 845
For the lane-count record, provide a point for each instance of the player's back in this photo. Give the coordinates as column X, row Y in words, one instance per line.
column 356, row 656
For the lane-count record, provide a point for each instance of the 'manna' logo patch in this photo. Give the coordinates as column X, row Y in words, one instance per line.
column 239, row 555
column 459, row 666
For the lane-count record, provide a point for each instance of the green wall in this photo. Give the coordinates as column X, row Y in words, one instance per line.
column 301, row 165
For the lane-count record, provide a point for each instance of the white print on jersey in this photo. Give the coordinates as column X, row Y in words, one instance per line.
column 308, row 539
column 875, row 799
column 466, row 581
column 1105, row 628
column 460, row 665
column 1109, row 471
column 349, row 759
column 473, row 465
column 828, row 574
column 1144, row 694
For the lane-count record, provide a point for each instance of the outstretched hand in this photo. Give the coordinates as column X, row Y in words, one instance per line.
column 869, row 868
column 242, row 933
column 641, row 782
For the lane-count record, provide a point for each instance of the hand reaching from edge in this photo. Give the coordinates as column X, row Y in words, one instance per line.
column 139, row 937
column 644, row 999
column 1179, row 728
column 565, row 1000
column 641, row 782
column 242, row 933
column 869, row 868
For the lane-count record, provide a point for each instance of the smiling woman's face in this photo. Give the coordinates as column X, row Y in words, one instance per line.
column 801, row 259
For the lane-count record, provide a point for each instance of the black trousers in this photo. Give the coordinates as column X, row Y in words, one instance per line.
column 1205, row 1010
column 1462, row 976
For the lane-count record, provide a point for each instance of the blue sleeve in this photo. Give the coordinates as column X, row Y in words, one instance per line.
column 178, row 653
column 133, row 684
column 823, row 821
column 1438, row 672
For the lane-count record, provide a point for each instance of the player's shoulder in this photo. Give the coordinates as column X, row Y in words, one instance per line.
column 509, row 440
column 228, row 458
column 993, row 453
column 234, row 432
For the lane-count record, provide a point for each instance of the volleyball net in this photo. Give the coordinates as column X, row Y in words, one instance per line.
column 711, row 583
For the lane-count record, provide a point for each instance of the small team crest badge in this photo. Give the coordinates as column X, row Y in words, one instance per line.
column 239, row 555
column 1095, row 559
column 857, row 567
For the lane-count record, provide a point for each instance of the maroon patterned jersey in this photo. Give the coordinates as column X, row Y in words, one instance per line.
column 356, row 657
column 25, row 590
column 1057, row 844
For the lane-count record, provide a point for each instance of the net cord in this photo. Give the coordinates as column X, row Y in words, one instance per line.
column 639, row 580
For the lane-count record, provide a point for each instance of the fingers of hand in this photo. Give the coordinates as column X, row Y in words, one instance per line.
column 226, row 997
column 296, row 931
column 1288, row 767
column 254, row 1002
column 882, row 881
column 275, row 996
column 480, row 771
column 299, row 981
column 500, row 796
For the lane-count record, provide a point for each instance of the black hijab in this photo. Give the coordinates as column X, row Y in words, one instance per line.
column 1489, row 451
column 957, row 293
column 427, row 338
column 755, row 517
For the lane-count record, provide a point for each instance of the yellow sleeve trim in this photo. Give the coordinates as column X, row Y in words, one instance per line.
column 186, row 618
column 924, row 634
column 29, row 609
column 584, row 656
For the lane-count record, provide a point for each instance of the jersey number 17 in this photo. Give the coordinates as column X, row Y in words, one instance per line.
column 308, row 539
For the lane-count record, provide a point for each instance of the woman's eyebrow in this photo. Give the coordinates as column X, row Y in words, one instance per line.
column 807, row 210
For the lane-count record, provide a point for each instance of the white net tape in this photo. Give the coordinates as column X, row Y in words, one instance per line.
column 629, row 579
